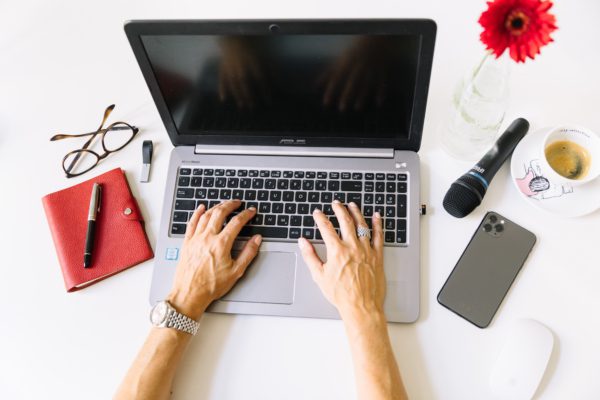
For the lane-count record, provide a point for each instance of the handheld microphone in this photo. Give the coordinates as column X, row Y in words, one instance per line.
column 467, row 192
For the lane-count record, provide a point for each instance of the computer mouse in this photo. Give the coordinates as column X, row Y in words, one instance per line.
column 522, row 361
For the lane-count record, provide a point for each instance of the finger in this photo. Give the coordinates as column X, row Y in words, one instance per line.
column 326, row 228
column 359, row 220
column 346, row 222
column 193, row 222
column 310, row 257
column 219, row 213
column 378, row 235
column 247, row 254
column 233, row 227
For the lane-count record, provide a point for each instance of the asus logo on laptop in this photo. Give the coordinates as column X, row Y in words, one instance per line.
column 292, row 141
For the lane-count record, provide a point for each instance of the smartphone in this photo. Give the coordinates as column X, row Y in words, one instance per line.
column 486, row 269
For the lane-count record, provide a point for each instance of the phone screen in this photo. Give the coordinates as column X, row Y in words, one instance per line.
column 487, row 268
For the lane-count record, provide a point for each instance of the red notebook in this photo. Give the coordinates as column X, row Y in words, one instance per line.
column 120, row 240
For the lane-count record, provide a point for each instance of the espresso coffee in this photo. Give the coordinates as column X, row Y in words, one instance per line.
column 568, row 159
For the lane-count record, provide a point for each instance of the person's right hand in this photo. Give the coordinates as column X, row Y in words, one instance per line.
column 352, row 278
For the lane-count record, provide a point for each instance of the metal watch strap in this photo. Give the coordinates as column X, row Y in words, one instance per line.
column 181, row 322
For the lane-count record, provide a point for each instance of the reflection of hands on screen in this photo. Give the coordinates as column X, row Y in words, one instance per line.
column 359, row 76
column 242, row 75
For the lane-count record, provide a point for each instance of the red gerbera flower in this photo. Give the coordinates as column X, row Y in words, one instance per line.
column 523, row 26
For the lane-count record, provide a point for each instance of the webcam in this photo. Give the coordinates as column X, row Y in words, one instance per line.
column 274, row 28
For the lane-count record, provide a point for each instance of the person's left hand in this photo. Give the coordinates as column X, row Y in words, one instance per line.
column 206, row 270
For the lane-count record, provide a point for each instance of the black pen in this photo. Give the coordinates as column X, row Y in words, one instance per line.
column 91, row 226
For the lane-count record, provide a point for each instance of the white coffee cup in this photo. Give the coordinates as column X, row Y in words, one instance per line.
column 584, row 138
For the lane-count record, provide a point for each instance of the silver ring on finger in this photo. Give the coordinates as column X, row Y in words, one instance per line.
column 363, row 231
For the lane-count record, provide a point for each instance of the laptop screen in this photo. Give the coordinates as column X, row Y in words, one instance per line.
column 287, row 85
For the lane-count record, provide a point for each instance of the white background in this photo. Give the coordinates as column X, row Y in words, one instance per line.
column 62, row 62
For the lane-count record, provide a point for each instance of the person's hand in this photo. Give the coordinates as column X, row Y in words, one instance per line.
column 206, row 270
column 352, row 278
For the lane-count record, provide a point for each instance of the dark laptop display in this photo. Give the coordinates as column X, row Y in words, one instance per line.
column 309, row 85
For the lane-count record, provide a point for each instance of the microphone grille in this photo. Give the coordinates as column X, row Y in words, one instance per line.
column 460, row 200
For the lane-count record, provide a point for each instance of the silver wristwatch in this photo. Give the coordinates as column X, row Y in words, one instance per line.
column 163, row 315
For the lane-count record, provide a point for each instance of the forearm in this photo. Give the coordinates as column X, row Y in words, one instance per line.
column 375, row 366
column 152, row 372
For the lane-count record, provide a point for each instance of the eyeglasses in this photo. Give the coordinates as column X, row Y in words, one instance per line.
column 114, row 137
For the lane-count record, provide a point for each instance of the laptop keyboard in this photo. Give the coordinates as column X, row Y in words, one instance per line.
column 286, row 198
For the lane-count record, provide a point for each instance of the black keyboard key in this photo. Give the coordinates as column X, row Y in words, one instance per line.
column 345, row 175
column 225, row 194
column 253, row 173
column 369, row 222
column 196, row 181
column 318, row 234
column 352, row 186
column 401, row 224
column 357, row 176
column 369, row 186
column 202, row 202
column 368, row 198
column 270, row 219
column 303, row 208
column 311, row 175
column 208, row 182
column 340, row 197
column 277, row 208
column 296, row 220
column 334, row 221
column 201, row 193
column 245, row 183
column 308, row 233
column 321, row 185
column 288, row 174
column 402, row 187
column 264, row 208
column 264, row 174
column 209, row 172
column 390, row 224
column 283, row 184
column 257, row 219
column 313, row 197
column 185, row 171
column 213, row 193
column 327, row 209
column 321, row 175
column 178, row 229
column 180, row 216
column 273, row 232
column 275, row 195
column 389, row 237
column 380, row 177
column 197, row 171
column 354, row 197
column 334, row 175
column 185, row 205
column 258, row 183
column 295, row 184
column 308, row 220
column 295, row 233
column 242, row 172
column 288, row 196
column 390, row 199
column 270, row 183
column 300, row 197
column 401, row 206
column 185, row 193
column 219, row 172
column 368, row 211
column 183, row 181
column 333, row 186
column 390, row 187
column 308, row 185
column 299, row 174
column 233, row 183
column 238, row 194
column 380, row 187
column 250, row 204
column 230, row 172
column 401, row 237
column 390, row 177
column 369, row 176
column 283, row 220
column 221, row 182
column 390, row 212
column 275, row 174
column 263, row 195
column 250, row 195
column 402, row 177
column 290, row 208
column 326, row 197
column 379, row 198
column 380, row 210
column 314, row 206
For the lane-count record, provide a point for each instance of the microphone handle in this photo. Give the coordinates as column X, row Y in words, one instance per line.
column 491, row 162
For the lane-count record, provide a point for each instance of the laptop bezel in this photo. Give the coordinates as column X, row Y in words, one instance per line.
column 424, row 28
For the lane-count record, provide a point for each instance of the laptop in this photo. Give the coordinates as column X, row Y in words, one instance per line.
column 288, row 116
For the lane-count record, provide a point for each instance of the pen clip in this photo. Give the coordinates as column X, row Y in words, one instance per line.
column 99, row 197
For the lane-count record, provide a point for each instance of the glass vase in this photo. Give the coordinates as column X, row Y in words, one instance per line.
column 479, row 105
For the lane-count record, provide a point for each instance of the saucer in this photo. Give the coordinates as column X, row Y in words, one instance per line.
column 538, row 189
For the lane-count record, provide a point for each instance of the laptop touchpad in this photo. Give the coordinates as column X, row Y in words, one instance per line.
column 269, row 279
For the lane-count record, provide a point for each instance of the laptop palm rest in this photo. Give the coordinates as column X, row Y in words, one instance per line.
column 269, row 279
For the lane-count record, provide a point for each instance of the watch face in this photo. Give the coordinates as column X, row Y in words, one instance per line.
column 159, row 313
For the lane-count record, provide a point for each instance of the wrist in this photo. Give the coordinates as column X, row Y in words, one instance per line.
column 359, row 317
column 192, row 308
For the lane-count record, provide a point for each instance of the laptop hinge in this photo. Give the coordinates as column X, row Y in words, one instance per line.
column 299, row 151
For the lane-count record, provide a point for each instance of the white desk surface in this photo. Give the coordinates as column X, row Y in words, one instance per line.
column 62, row 62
